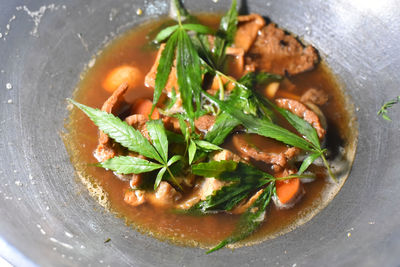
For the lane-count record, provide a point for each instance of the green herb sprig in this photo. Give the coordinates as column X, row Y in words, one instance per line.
column 383, row 111
column 133, row 140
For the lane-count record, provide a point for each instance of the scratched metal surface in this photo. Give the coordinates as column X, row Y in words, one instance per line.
column 48, row 219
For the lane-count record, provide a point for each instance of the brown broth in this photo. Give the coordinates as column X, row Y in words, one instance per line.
column 81, row 140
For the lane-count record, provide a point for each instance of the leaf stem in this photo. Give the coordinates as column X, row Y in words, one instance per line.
column 221, row 87
column 328, row 168
column 174, row 180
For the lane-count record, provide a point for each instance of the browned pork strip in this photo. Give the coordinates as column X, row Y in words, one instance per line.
column 204, row 123
column 248, row 151
column 278, row 52
column 302, row 111
column 138, row 121
column 248, row 27
column 104, row 149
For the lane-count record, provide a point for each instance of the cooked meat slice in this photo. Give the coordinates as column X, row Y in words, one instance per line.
column 135, row 197
column 278, row 52
column 135, row 181
column 104, row 149
column 225, row 155
column 104, row 152
column 204, row 123
column 237, row 65
column 172, row 124
column 165, row 195
column 244, row 205
column 302, row 111
column 248, row 151
column 288, row 192
column 317, row 97
column 208, row 186
column 247, row 30
column 138, row 121
column 150, row 79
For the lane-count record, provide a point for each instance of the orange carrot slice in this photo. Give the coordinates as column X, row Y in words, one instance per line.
column 122, row 74
column 143, row 106
column 288, row 190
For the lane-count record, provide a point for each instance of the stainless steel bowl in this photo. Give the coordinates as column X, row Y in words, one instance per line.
column 49, row 219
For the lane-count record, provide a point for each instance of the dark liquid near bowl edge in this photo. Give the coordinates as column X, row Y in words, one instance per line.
column 81, row 140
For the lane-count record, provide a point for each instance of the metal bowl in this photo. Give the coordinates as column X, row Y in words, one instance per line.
column 49, row 219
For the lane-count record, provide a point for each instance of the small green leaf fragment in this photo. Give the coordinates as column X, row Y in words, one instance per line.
column 214, row 168
column 198, row 28
column 159, row 177
column 128, row 165
column 174, row 159
column 206, row 145
column 192, row 150
column 308, row 161
column 165, row 33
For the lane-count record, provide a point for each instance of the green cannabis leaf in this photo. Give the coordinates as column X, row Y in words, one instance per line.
column 384, row 109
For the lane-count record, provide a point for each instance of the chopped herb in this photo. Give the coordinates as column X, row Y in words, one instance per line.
column 384, row 109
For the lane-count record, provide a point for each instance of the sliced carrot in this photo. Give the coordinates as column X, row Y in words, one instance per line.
column 125, row 73
column 286, row 94
column 143, row 106
column 288, row 190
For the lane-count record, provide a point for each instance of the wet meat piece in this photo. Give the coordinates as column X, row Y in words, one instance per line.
column 248, row 151
column 104, row 149
column 138, row 121
column 135, row 197
column 225, row 155
column 204, row 123
column 317, row 97
column 248, row 27
column 244, row 205
column 278, row 52
column 172, row 124
column 237, row 66
column 165, row 195
column 302, row 111
column 208, row 186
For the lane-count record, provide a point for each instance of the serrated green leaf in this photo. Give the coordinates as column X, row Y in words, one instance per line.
column 225, row 34
column 128, row 165
column 198, row 28
column 189, row 74
column 165, row 33
column 206, row 145
column 164, row 67
column 263, row 127
column 158, row 137
column 214, row 168
column 159, row 177
column 308, row 161
column 120, row 131
column 249, row 221
column 173, row 159
column 223, row 126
